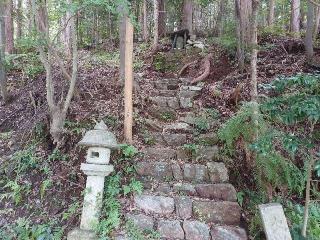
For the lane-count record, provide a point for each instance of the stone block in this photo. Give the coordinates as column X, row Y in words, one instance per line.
column 186, row 103
column 159, row 153
column 155, row 204
column 218, row 172
column 185, row 188
column 217, row 191
column 177, row 172
column 170, row 229
column 207, row 153
column 228, row 213
column 178, row 128
column 175, row 139
column 195, row 173
column 183, row 207
column 141, row 221
column 158, row 170
column 228, row 233
column 208, row 139
column 79, row 234
column 196, row 230
column 274, row 221
column 173, row 103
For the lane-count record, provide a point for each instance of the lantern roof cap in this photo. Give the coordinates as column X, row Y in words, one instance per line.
column 100, row 136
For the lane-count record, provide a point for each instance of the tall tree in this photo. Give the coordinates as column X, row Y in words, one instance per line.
column 317, row 21
column 156, row 24
column 162, row 18
column 128, row 87
column 271, row 12
column 19, row 19
column 145, row 21
column 309, row 34
column 48, row 55
column 3, row 77
column 295, row 16
column 9, row 26
column 187, row 15
column 220, row 20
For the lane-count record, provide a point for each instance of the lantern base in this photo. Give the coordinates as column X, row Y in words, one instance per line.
column 79, row 234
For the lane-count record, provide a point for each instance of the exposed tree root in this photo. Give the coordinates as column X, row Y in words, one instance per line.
column 206, row 72
column 186, row 66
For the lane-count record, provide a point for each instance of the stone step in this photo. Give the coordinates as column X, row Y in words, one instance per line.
column 212, row 172
column 169, row 139
column 167, row 84
column 178, row 127
column 167, row 93
column 216, row 212
column 165, row 102
column 184, row 229
column 159, row 154
column 217, row 191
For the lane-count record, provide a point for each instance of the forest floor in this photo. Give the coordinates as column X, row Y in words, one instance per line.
column 41, row 185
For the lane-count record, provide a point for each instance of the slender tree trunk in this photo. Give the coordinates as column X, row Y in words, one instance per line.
column 162, row 18
column 67, row 34
column 128, row 89
column 9, row 27
column 307, row 199
column 122, row 49
column 3, row 77
column 145, row 21
column 309, row 34
column 220, row 21
column 156, row 24
column 295, row 16
column 317, row 22
column 19, row 19
column 271, row 12
column 254, row 53
column 187, row 15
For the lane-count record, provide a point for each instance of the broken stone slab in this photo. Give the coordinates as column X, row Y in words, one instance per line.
column 207, row 153
column 170, row 229
column 196, row 230
column 227, row 213
column 185, row 188
column 189, row 118
column 141, row 221
column 155, row 204
column 173, row 103
column 188, row 94
column 228, row 233
column 159, row 101
column 186, row 102
column 79, row 234
column 153, row 125
column 195, row 173
column 207, row 139
column 217, row 191
column 178, row 127
column 164, row 188
column 177, row 172
column 167, row 93
column 184, row 207
column 162, row 112
column 218, row 172
column 157, row 170
column 174, row 139
column 274, row 221
column 191, row 88
column 184, row 154
column 159, row 153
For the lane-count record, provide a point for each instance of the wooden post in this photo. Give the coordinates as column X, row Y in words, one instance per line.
column 128, row 85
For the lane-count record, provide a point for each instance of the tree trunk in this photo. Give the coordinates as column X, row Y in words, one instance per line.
column 162, row 18
column 222, row 7
column 271, row 12
column 19, row 19
column 67, row 33
column 3, row 77
column 122, row 34
column 187, row 15
column 156, row 24
column 309, row 34
column 9, row 29
column 254, row 53
column 145, row 21
column 317, row 22
column 295, row 17
column 128, row 89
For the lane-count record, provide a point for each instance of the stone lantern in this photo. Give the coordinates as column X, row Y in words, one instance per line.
column 100, row 142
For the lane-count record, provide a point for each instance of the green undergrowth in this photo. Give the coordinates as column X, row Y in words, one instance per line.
column 278, row 149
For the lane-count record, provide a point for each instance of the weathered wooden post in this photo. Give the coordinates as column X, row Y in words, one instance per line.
column 100, row 142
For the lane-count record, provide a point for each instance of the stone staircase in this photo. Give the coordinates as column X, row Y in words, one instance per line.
column 186, row 194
